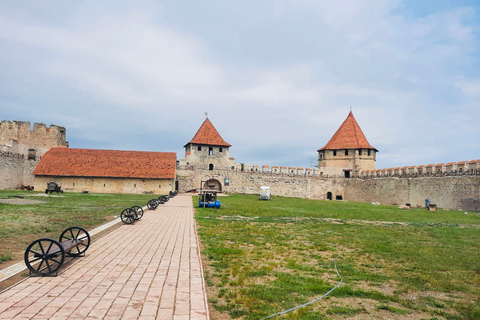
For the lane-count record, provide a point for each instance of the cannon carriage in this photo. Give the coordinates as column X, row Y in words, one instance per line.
column 53, row 187
column 46, row 256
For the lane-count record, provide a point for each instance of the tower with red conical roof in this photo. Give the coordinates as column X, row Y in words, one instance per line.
column 207, row 150
column 347, row 152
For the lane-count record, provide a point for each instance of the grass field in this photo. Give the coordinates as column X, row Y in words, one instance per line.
column 263, row 257
column 20, row 224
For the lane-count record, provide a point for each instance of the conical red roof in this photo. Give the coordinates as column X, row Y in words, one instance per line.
column 348, row 136
column 208, row 135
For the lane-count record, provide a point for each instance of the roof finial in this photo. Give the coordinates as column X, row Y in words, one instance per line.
column 206, row 114
column 350, row 108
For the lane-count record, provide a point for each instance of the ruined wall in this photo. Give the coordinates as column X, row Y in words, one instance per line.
column 21, row 149
column 17, row 137
column 451, row 192
column 16, row 170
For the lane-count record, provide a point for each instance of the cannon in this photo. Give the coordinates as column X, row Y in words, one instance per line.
column 53, row 187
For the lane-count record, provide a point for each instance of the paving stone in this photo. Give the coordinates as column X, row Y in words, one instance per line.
column 148, row 270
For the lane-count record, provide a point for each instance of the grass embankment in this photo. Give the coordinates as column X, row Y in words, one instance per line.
column 20, row 224
column 263, row 257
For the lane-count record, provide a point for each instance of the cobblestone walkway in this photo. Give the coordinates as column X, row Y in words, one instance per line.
column 148, row 270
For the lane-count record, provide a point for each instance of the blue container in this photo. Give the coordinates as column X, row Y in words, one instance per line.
column 210, row 204
column 427, row 202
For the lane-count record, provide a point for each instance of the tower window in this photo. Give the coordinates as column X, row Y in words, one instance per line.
column 369, row 151
column 334, row 153
column 210, row 166
column 346, row 152
column 220, row 149
column 210, row 151
column 199, row 148
column 359, row 152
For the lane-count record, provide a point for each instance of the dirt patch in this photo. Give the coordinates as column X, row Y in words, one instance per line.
column 237, row 218
column 21, row 201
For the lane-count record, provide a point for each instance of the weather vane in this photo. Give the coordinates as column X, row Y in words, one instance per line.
column 206, row 114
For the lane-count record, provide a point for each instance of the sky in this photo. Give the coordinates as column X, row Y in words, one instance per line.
column 276, row 77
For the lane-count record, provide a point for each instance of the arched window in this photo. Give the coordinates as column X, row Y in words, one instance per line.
column 210, row 166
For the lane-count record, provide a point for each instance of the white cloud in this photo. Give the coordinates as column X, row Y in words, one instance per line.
column 156, row 66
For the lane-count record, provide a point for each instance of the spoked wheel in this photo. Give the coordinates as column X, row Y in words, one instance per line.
column 152, row 204
column 139, row 211
column 76, row 234
column 128, row 216
column 44, row 256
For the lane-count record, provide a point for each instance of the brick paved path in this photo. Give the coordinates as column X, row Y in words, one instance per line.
column 149, row 270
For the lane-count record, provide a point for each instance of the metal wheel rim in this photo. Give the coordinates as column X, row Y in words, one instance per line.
column 139, row 211
column 76, row 233
column 127, row 217
column 39, row 262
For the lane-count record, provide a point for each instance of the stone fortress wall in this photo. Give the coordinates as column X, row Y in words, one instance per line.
column 454, row 185
column 451, row 186
column 21, row 149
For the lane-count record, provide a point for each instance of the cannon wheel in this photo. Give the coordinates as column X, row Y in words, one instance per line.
column 152, row 204
column 128, row 216
column 76, row 233
column 139, row 211
column 44, row 256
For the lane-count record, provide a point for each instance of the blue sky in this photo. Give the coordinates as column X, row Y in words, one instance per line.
column 277, row 78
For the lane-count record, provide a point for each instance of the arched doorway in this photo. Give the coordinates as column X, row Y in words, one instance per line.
column 329, row 195
column 212, row 184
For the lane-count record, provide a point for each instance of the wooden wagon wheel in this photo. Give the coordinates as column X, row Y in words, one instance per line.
column 139, row 211
column 128, row 216
column 44, row 256
column 76, row 234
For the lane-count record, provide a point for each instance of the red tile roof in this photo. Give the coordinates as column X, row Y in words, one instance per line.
column 208, row 135
column 107, row 163
column 348, row 136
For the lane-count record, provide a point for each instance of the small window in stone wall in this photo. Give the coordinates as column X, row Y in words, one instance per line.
column 359, row 152
column 74, row 184
column 134, row 185
column 104, row 185
column 210, row 151
column 220, row 149
column 199, row 148
column 346, row 152
column 334, row 153
column 159, row 186
column 369, row 151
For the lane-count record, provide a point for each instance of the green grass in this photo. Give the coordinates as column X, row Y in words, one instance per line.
column 267, row 256
column 21, row 224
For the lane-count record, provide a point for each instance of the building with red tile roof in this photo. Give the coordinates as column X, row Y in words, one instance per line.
column 207, row 150
column 348, row 151
column 107, row 171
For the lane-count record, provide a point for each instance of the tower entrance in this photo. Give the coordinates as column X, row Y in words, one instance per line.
column 212, row 184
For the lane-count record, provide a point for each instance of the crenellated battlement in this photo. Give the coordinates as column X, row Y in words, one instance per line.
column 19, row 137
column 440, row 169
